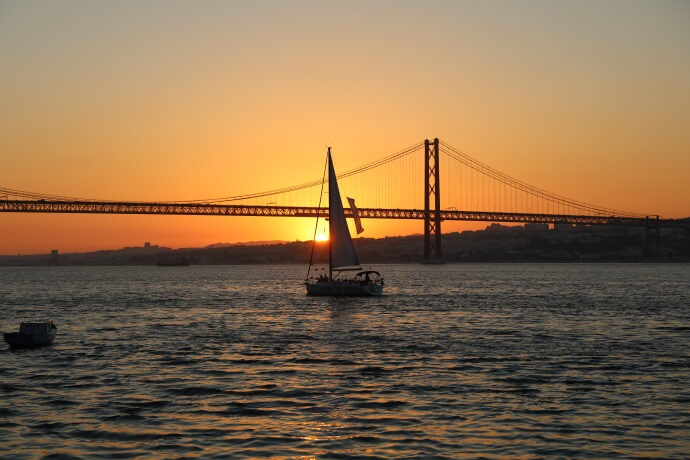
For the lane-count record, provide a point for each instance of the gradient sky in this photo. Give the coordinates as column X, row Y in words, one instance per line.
column 163, row 100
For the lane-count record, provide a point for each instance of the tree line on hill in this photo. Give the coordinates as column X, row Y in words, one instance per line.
column 497, row 243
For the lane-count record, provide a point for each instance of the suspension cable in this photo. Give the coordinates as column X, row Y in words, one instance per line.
column 493, row 173
column 352, row 172
column 450, row 151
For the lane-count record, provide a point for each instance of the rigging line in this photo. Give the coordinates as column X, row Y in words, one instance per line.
column 316, row 227
column 534, row 191
column 517, row 181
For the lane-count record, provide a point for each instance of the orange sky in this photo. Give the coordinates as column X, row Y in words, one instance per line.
column 183, row 100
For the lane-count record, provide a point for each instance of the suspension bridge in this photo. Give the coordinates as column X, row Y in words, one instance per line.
column 465, row 189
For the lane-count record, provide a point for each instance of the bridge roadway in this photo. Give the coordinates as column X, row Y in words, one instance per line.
column 116, row 207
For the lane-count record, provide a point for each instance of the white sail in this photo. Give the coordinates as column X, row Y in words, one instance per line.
column 342, row 250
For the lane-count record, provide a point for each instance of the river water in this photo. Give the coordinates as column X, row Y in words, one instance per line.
column 475, row 360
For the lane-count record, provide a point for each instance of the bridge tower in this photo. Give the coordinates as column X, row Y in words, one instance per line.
column 432, row 224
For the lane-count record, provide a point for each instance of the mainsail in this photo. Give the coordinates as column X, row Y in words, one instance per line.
column 342, row 250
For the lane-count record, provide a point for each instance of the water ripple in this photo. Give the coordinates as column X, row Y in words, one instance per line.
column 479, row 361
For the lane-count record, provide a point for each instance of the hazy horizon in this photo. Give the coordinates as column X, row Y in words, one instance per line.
column 162, row 101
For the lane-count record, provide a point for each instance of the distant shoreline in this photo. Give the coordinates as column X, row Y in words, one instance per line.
column 496, row 244
column 468, row 262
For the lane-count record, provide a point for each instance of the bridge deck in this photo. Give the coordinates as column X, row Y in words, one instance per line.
column 111, row 207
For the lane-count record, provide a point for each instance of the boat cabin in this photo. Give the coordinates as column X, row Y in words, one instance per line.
column 35, row 328
column 369, row 276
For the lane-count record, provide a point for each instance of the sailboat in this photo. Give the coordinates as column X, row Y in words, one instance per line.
column 345, row 276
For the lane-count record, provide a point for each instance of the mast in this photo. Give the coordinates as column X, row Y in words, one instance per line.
column 330, row 223
column 316, row 227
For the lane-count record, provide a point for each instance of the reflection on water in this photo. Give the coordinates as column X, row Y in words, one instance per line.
column 455, row 361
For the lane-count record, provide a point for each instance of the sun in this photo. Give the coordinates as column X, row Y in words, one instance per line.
column 322, row 237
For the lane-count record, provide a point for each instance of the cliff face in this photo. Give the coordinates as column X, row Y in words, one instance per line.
column 495, row 243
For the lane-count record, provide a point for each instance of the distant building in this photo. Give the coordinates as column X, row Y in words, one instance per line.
column 497, row 228
column 147, row 244
column 54, row 252
column 563, row 227
column 537, row 227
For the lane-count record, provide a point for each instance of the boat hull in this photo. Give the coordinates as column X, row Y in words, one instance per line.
column 21, row 340
column 344, row 289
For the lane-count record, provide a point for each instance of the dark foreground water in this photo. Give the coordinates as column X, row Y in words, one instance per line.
column 495, row 361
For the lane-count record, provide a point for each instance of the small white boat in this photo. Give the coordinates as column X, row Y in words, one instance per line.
column 342, row 257
column 32, row 334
